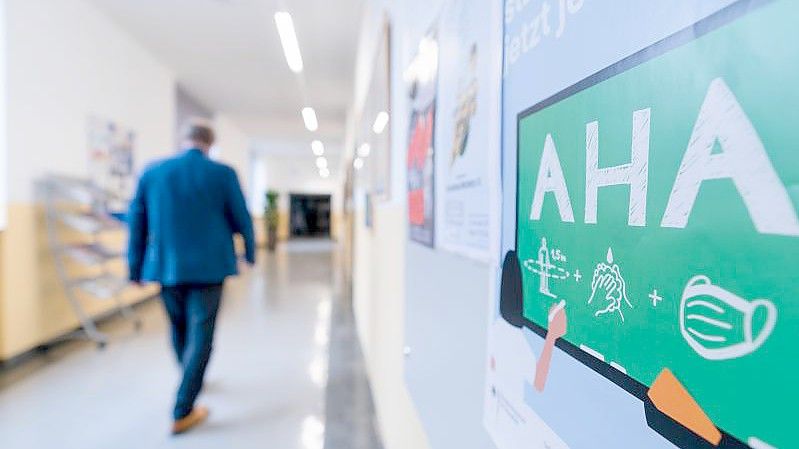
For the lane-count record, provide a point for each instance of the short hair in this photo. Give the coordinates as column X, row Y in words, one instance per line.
column 199, row 131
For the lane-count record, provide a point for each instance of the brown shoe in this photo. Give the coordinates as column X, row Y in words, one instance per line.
column 193, row 419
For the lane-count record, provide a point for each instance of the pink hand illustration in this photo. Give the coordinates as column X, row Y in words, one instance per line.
column 557, row 329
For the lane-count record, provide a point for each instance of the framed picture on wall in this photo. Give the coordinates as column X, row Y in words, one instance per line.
column 373, row 144
column 111, row 152
column 467, row 132
column 422, row 78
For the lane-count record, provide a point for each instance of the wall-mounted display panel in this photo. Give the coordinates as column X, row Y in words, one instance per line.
column 421, row 77
column 372, row 151
column 111, row 153
column 467, row 131
column 651, row 224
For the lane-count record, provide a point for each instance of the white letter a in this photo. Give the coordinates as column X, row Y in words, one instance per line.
column 742, row 158
column 550, row 179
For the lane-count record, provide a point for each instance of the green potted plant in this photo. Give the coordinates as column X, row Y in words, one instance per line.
column 271, row 218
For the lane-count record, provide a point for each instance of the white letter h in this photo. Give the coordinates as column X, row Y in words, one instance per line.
column 636, row 173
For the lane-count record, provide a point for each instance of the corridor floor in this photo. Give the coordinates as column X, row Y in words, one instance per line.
column 266, row 385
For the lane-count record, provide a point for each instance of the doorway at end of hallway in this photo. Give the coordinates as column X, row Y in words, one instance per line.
column 310, row 215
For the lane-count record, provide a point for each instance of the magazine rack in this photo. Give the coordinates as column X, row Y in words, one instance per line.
column 76, row 208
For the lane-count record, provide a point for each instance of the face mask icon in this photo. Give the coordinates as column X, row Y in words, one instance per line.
column 720, row 325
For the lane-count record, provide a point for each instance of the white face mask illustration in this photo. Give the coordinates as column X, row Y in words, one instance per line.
column 720, row 325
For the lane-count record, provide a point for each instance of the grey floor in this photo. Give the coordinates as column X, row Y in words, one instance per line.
column 349, row 408
column 266, row 385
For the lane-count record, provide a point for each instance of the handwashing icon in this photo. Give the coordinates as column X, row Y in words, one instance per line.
column 718, row 324
column 609, row 285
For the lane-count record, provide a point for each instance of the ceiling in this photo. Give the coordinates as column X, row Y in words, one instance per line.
column 227, row 54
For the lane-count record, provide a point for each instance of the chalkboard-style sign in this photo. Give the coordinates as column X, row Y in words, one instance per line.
column 656, row 214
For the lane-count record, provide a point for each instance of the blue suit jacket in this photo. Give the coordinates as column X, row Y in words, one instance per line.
column 182, row 221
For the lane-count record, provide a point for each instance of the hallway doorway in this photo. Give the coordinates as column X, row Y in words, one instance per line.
column 310, row 215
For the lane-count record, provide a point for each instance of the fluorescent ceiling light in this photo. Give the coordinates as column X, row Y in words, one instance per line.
column 364, row 150
column 324, row 172
column 309, row 117
column 380, row 122
column 288, row 38
column 357, row 163
column 317, row 147
column 321, row 162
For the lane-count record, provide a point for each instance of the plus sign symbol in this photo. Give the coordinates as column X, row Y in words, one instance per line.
column 655, row 297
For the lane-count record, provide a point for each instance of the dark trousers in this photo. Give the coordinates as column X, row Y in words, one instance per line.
column 192, row 311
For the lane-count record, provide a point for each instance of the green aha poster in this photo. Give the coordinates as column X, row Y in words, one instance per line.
column 657, row 206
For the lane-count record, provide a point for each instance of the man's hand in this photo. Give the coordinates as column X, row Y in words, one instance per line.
column 245, row 266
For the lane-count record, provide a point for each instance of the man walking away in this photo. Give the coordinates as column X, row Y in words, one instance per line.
column 182, row 221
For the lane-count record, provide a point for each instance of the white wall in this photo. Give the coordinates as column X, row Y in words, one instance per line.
column 3, row 121
column 409, row 296
column 59, row 74
column 66, row 62
column 291, row 168
column 379, row 270
column 233, row 147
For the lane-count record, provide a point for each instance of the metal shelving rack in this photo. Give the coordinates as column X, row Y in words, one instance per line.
column 78, row 205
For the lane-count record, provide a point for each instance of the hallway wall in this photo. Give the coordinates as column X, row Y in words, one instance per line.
column 379, row 252
column 408, row 297
column 3, row 119
column 83, row 65
column 234, row 148
column 66, row 61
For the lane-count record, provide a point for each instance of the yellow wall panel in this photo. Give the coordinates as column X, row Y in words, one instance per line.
column 33, row 305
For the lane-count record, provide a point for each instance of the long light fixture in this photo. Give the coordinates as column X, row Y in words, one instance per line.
column 318, row 148
column 309, row 117
column 364, row 150
column 321, row 162
column 380, row 122
column 288, row 38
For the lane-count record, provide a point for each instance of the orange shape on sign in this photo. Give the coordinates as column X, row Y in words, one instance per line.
column 671, row 398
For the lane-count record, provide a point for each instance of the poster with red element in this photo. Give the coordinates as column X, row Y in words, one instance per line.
column 422, row 77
